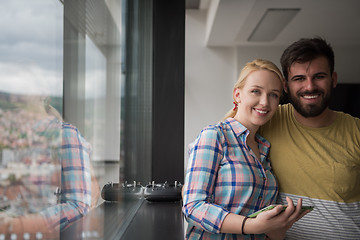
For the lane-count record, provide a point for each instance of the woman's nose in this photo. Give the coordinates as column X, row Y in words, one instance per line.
column 264, row 100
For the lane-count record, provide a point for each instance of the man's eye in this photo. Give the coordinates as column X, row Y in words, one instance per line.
column 319, row 77
column 274, row 95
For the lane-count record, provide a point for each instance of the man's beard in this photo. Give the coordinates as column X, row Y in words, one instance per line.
column 310, row 110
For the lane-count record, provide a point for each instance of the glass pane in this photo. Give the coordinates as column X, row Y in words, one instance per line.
column 59, row 114
column 95, row 102
column 61, row 92
column 31, row 89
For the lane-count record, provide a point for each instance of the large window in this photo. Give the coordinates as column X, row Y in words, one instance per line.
column 60, row 63
column 92, row 79
column 88, row 95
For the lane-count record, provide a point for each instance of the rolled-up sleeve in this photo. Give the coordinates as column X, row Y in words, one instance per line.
column 205, row 157
column 75, row 180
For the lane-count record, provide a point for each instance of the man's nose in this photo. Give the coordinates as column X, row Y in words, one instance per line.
column 309, row 83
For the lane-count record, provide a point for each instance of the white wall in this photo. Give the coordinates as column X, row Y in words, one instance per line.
column 346, row 59
column 210, row 74
column 247, row 54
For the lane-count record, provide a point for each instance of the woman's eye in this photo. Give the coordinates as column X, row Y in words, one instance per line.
column 255, row 91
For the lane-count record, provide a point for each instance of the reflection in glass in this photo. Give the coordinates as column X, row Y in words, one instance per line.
column 45, row 154
column 60, row 63
column 31, row 66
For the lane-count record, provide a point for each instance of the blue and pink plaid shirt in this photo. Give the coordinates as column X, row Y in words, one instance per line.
column 224, row 175
column 74, row 156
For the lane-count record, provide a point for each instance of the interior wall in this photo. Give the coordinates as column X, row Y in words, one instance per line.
column 247, row 54
column 346, row 63
column 210, row 74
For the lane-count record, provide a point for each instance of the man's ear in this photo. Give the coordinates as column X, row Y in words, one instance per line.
column 335, row 79
column 285, row 86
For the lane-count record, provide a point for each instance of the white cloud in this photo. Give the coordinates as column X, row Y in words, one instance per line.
column 31, row 46
column 29, row 79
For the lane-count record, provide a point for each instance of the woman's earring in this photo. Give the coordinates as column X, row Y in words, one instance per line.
column 236, row 106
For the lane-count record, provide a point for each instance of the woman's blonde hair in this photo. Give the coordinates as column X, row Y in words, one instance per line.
column 256, row 65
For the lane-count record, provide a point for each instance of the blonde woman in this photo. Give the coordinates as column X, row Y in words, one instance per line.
column 229, row 174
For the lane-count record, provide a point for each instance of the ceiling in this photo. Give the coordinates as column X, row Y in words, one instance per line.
column 231, row 22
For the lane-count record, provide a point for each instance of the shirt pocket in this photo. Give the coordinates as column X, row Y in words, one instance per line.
column 347, row 181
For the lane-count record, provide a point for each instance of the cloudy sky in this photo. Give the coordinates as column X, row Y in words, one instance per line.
column 31, row 43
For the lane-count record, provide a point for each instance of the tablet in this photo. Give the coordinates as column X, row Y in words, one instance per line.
column 272, row 206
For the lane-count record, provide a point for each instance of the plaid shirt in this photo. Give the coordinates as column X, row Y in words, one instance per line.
column 223, row 176
column 75, row 200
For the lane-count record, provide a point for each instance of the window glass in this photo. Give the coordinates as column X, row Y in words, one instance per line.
column 95, row 93
column 31, row 106
column 75, row 114
column 60, row 122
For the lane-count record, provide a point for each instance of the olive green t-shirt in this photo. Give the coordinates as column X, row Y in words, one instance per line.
column 322, row 163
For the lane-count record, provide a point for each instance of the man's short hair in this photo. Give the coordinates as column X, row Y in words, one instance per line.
column 305, row 50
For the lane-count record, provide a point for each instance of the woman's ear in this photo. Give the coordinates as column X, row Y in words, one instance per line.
column 236, row 95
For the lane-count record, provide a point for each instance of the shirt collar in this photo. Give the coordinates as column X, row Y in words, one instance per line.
column 240, row 129
column 237, row 127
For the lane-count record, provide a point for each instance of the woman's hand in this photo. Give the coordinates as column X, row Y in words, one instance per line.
column 284, row 221
column 275, row 222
